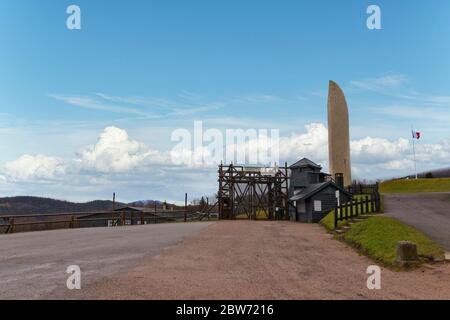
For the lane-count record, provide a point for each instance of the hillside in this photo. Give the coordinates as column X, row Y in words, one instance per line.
column 146, row 203
column 436, row 173
column 37, row 205
column 413, row 186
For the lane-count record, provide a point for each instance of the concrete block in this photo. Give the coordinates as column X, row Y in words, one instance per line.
column 407, row 253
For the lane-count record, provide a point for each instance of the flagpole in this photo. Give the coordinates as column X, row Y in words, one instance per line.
column 414, row 151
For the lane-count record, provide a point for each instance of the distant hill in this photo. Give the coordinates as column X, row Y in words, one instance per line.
column 146, row 203
column 437, row 173
column 37, row 205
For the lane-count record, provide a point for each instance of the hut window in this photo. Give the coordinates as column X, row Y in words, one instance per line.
column 317, row 205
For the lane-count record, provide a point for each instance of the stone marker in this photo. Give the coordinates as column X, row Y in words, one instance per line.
column 447, row 256
column 338, row 134
column 406, row 253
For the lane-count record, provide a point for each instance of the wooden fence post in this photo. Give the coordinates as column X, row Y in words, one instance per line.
column 374, row 203
column 11, row 224
column 185, row 207
column 366, row 205
column 207, row 207
column 377, row 197
column 344, row 214
column 361, row 205
column 354, row 208
column 351, row 210
column 336, row 212
column 346, row 211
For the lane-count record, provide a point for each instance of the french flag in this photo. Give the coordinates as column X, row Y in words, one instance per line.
column 416, row 135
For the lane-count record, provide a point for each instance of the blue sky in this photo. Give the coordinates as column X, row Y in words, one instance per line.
column 148, row 67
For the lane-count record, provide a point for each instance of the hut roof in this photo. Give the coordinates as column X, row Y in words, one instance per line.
column 305, row 163
column 313, row 189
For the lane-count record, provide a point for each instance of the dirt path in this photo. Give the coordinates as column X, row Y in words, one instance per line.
column 429, row 212
column 266, row 260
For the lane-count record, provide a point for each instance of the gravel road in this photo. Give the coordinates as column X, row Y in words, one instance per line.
column 429, row 212
column 266, row 260
column 33, row 265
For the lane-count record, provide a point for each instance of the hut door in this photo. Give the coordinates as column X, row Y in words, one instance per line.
column 301, row 207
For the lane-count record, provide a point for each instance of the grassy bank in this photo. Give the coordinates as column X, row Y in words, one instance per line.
column 377, row 237
column 414, row 186
column 328, row 221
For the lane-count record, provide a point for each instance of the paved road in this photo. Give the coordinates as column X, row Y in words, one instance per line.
column 429, row 212
column 33, row 265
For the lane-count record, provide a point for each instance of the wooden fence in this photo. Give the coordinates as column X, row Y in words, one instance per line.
column 360, row 205
column 39, row 222
column 361, row 188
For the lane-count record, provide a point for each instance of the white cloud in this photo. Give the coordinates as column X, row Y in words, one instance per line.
column 381, row 158
column 312, row 144
column 39, row 167
column 116, row 152
column 399, row 164
column 394, row 86
column 117, row 162
column 94, row 104
column 381, row 83
column 148, row 107
column 371, row 157
column 434, row 153
column 375, row 150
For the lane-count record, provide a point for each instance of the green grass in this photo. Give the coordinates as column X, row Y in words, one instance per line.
column 260, row 215
column 413, row 186
column 377, row 237
column 328, row 221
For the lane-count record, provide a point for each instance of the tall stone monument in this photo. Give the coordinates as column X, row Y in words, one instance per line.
column 338, row 134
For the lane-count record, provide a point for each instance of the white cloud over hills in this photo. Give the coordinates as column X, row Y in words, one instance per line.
column 120, row 162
